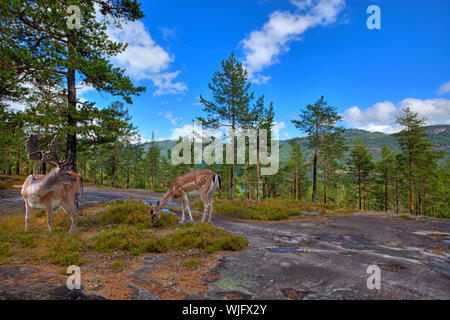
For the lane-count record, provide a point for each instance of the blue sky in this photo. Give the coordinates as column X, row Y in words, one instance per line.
column 295, row 51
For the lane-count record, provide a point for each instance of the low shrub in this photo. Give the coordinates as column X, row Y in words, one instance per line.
column 192, row 263
column 130, row 211
column 4, row 249
column 117, row 265
column 206, row 237
column 272, row 210
column 166, row 220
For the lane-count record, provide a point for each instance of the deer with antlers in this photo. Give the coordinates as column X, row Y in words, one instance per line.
column 200, row 183
column 59, row 187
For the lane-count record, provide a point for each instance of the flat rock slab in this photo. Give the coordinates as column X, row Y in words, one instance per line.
column 296, row 259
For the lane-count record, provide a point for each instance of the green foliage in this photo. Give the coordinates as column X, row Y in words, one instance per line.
column 65, row 250
column 117, row 265
column 270, row 210
column 138, row 241
column 4, row 249
column 27, row 240
column 192, row 263
column 130, row 211
column 206, row 237
column 320, row 122
column 166, row 220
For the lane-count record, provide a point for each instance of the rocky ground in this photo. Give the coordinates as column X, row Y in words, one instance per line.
column 314, row 258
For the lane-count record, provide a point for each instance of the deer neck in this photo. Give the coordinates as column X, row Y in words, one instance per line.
column 42, row 186
column 165, row 199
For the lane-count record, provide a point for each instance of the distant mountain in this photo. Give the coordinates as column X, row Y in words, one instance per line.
column 439, row 135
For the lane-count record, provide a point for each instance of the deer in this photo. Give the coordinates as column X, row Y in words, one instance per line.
column 59, row 188
column 200, row 183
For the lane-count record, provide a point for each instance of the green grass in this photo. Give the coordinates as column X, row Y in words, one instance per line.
column 4, row 249
column 137, row 241
column 117, row 265
column 123, row 225
column 192, row 263
column 7, row 181
column 130, row 211
column 270, row 210
column 166, row 220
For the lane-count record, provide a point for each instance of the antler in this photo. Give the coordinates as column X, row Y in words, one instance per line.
column 50, row 156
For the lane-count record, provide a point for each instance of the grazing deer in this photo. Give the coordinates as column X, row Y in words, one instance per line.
column 58, row 188
column 200, row 183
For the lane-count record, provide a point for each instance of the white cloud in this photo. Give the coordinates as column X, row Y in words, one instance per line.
column 168, row 33
column 165, row 85
column 16, row 106
column 144, row 58
column 287, row 135
column 169, row 115
column 263, row 47
column 445, row 88
column 381, row 116
column 437, row 111
column 279, row 125
column 82, row 88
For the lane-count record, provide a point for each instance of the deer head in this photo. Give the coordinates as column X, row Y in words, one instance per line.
column 59, row 173
column 155, row 211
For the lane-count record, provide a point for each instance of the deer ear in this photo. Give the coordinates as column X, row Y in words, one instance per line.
column 157, row 203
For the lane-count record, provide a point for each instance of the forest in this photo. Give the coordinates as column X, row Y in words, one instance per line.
column 41, row 64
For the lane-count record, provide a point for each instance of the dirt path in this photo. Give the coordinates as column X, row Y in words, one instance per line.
column 312, row 259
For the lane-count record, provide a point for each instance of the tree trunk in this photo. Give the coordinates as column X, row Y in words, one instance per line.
column 314, row 176
column 385, row 193
column 324, row 189
column 18, row 160
column 257, row 172
column 397, row 208
column 365, row 191
column 248, row 183
column 10, row 160
column 359, row 189
column 296, row 179
column 411, row 199
column 113, row 167
column 71, row 142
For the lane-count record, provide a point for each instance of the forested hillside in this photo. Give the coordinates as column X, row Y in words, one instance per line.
column 439, row 135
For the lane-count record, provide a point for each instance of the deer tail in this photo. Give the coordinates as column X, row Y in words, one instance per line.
column 217, row 181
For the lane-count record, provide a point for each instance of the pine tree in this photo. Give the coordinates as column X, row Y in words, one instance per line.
column 317, row 120
column 384, row 169
column 411, row 140
column 57, row 54
column 230, row 106
column 360, row 164
column 153, row 161
column 332, row 150
column 298, row 165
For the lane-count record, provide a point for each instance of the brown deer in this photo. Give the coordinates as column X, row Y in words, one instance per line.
column 200, row 183
column 58, row 188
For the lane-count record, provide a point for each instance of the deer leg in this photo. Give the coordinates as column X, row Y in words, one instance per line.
column 69, row 207
column 211, row 201
column 205, row 200
column 49, row 217
column 182, row 211
column 188, row 206
column 28, row 211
